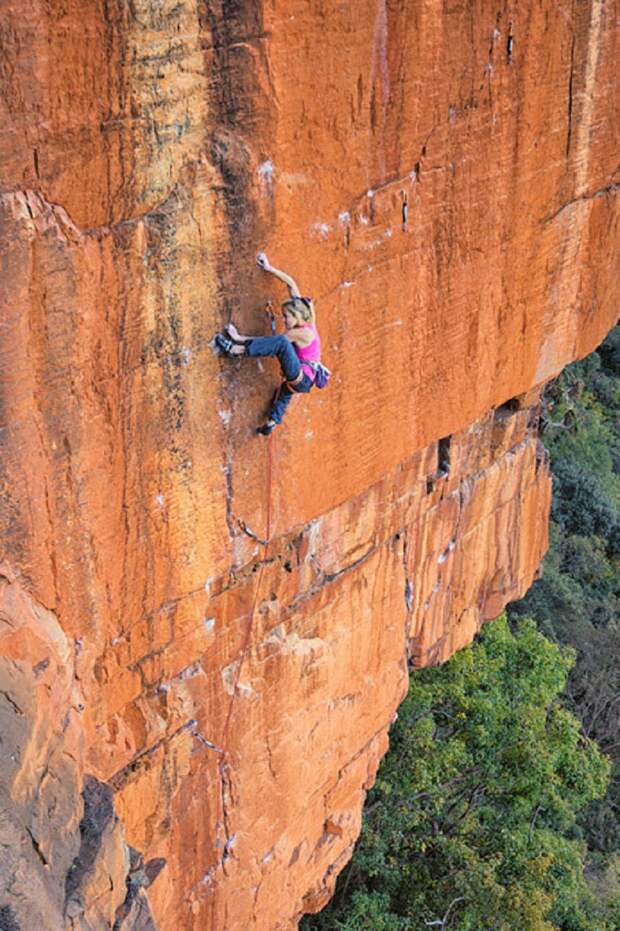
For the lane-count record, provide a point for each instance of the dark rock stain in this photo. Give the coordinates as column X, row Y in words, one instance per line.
column 98, row 813
column 8, row 921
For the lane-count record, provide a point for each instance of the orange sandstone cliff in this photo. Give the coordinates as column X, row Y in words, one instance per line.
column 189, row 720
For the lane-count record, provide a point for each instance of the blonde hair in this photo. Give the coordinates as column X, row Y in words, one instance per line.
column 302, row 307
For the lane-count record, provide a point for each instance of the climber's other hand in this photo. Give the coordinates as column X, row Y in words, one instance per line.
column 262, row 261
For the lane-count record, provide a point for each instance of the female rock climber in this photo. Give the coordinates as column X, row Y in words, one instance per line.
column 299, row 346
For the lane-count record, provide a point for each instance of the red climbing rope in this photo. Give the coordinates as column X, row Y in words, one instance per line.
column 248, row 632
column 225, row 759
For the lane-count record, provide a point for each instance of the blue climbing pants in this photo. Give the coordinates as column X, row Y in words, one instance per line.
column 282, row 397
column 282, row 348
column 279, row 346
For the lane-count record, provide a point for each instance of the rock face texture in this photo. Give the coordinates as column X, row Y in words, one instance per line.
column 190, row 718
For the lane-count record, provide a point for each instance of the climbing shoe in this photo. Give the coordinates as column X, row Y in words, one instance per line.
column 267, row 428
column 228, row 347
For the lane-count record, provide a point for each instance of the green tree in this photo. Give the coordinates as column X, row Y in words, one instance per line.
column 471, row 823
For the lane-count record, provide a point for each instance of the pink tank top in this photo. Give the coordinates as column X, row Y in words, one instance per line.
column 309, row 353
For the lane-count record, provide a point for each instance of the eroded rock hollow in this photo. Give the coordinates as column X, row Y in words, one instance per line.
column 190, row 720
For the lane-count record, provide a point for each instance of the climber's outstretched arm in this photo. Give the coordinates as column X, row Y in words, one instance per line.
column 263, row 262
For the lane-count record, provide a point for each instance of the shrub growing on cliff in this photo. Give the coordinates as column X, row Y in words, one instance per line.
column 471, row 819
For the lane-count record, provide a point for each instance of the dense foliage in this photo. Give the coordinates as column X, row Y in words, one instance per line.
column 578, row 599
column 470, row 824
column 581, row 429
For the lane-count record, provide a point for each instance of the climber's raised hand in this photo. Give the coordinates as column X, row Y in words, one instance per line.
column 263, row 262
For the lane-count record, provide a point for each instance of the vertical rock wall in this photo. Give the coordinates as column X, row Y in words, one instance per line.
column 443, row 181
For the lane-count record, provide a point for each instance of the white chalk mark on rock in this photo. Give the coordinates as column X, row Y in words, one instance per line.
column 322, row 229
column 266, row 172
